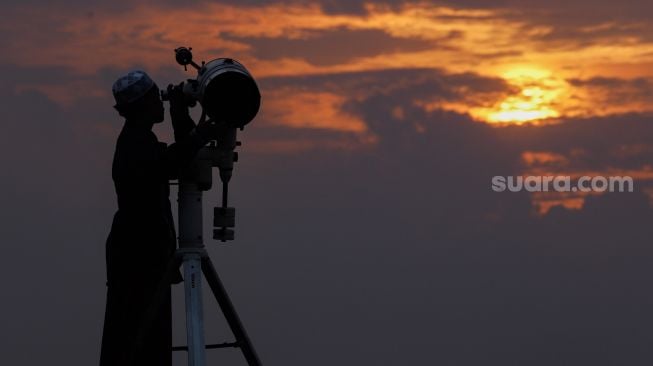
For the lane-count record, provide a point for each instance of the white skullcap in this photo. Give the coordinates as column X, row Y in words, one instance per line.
column 131, row 87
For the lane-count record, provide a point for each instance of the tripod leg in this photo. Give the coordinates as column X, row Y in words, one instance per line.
column 229, row 312
column 194, row 312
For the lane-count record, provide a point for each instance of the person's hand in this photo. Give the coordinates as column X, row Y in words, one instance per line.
column 210, row 129
column 177, row 97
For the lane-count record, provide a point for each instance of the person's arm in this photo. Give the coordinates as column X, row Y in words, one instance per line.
column 179, row 155
column 182, row 123
column 189, row 139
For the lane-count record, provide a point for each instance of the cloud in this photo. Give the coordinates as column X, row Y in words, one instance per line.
column 616, row 91
column 288, row 38
column 344, row 102
column 473, row 265
column 333, row 46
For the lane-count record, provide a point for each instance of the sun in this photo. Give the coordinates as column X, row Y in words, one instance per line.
column 538, row 96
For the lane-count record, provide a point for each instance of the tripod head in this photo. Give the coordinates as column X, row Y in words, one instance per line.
column 228, row 95
column 221, row 154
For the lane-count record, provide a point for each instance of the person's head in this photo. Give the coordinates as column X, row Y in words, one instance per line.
column 137, row 98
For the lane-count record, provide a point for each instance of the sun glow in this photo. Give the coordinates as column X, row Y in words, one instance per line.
column 537, row 98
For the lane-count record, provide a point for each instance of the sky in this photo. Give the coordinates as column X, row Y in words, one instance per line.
column 367, row 229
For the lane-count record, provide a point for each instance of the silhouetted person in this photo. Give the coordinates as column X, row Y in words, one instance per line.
column 142, row 238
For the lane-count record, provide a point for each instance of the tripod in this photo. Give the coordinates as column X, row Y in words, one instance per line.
column 194, row 258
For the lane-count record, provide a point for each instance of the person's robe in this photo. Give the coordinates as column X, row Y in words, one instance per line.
column 141, row 243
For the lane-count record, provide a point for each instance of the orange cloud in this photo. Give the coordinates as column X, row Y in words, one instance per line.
column 543, row 202
column 316, row 110
column 539, row 158
column 488, row 42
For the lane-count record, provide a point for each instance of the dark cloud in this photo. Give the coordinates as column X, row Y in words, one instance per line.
column 574, row 24
column 611, row 93
column 593, row 143
column 334, row 46
column 618, row 90
column 580, row 10
column 406, row 85
column 603, row 82
column 410, row 226
column 484, row 281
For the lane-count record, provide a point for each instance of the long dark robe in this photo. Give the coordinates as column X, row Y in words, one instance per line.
column 142, row 241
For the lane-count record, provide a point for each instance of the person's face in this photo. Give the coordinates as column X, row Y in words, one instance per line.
column 155, row 105
column 150, row 107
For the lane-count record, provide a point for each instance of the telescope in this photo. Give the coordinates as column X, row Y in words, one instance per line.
column 224, row 88
column 230, row 98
